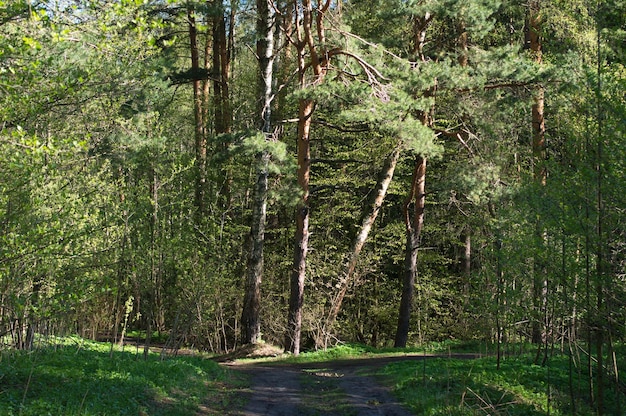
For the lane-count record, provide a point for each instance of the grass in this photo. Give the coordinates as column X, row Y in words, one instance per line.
column 79, row 377
column 345, row 352
column 467, row 387
column 350, row 350
column 72, row 376
column 463, row 387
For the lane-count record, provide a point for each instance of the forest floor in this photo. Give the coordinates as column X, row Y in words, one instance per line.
column 339, row 387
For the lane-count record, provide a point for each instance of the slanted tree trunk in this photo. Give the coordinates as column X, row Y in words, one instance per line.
column 385, row 177
column 250, row 320
column 414, row 222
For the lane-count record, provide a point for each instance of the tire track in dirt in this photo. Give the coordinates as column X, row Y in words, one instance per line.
column 275, row 390
column 345, row 387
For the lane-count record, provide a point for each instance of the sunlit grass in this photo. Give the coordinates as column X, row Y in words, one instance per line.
column 445, row 386
column 76, row 376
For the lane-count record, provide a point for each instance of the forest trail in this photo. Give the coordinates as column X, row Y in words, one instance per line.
column 343, row 387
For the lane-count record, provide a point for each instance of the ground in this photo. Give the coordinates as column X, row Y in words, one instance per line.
column 344, row 387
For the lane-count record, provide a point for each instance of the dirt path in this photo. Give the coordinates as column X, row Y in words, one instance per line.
column 347, row 387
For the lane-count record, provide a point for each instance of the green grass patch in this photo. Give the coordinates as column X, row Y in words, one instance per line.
column 354, row 350
column 79, row 377
column 345, row 352
column 156, row 338
column 462, row 387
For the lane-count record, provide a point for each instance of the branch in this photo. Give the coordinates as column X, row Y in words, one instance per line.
column 369, row 69
column 498, row 85
column 458, row 136
column 336, row 161
column 362, row 129
column 366, row 42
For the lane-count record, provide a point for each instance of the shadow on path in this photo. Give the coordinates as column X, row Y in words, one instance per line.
column 344, row 387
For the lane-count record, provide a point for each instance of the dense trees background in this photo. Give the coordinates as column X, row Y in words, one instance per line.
column 142, row 141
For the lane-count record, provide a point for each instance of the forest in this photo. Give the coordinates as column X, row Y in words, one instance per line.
column 310, row 173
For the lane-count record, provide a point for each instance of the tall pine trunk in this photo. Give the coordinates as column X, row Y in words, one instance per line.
column 199, row 93
column 222, row 45
column 414, row 222
column 298, row 274
column 305, row 43
column 540, row 323
column 250, row 320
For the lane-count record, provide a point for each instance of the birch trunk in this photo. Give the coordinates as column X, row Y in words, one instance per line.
column 250, row 321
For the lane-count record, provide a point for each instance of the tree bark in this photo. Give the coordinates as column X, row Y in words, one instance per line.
column 250, row 321
column 540, row 284
column 222, row 117
column 420, row 24
column 385, row 177
column 221, row 77
column 414, row 224
column 414, row 221
column 305, row 43
column 298, row 274
column 538, row 123
column 200, row 122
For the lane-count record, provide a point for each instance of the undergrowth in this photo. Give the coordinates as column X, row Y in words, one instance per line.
column 72, row 376
column 465, row 387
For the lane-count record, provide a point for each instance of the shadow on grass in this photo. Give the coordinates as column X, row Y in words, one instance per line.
column 469, row 387
column 88, row 381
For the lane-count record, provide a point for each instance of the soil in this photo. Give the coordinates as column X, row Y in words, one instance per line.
column 345, row 387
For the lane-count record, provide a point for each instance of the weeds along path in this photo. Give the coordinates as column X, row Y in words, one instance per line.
column 345, row 387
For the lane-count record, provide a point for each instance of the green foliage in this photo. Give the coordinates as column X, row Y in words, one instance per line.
column 73, row 376
column 98, row 219
column 467, row 386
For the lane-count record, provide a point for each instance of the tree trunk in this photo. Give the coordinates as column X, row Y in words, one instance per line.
column 540, row 172
column 200, row 123
column 603, row 318
column 540, row 284
column 221, row 57
column 298, row 274
column 221, row 75
column 414, row 221
column 414, row 224
column 420, row 24
column 250, row 321
column 305, row 42
column 385, row 177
